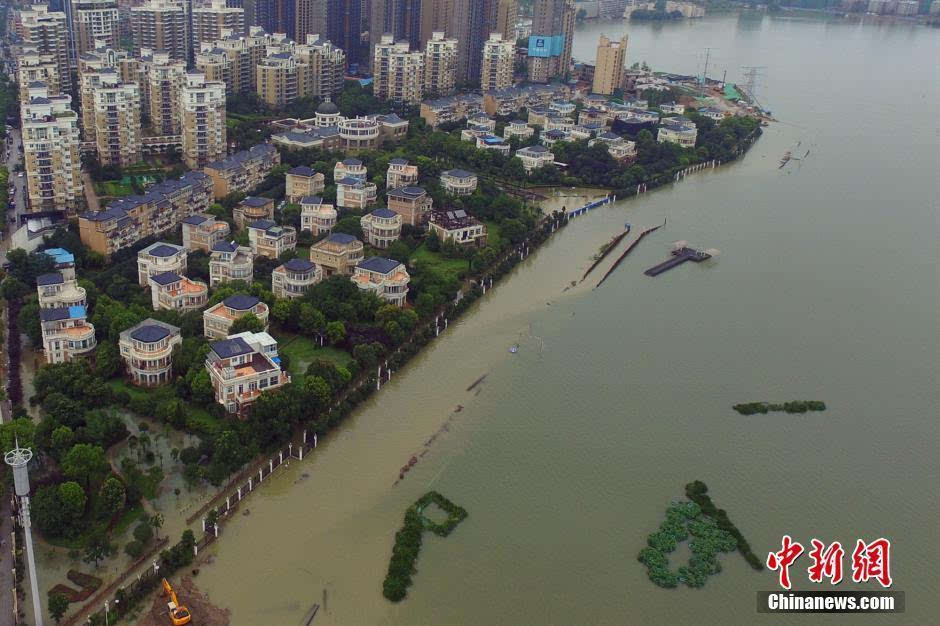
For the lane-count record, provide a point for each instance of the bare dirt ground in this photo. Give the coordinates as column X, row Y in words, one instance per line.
column 204, row 612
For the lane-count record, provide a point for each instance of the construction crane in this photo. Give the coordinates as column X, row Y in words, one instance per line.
column 179, row 615
column 752, row 75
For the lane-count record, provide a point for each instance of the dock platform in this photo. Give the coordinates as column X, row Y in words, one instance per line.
column 679, row 257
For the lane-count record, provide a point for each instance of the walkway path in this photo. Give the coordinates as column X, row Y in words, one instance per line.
column 6, row 564
column 90, row 196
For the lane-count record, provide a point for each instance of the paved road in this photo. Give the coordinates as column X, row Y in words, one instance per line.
column 6, row 564
column 18, row 183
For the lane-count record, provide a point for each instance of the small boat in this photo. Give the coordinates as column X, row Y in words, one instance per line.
column 514, row 348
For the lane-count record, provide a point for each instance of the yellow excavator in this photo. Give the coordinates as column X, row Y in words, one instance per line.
column 179, row 615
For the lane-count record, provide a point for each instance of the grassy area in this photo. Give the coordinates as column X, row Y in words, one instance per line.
column 113, row 188
column 198, row 420
column 302, row 351
column 493, row 234
column 438, row 263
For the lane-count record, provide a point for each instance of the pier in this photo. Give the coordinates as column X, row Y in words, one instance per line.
column 679, row 256
column 627, row 251
column 590, row 205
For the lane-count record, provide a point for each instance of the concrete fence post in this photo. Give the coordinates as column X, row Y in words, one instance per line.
column 239, row 494
column 195, row 550
column 280, row 457
column 216, row 528
column 305, row 436
column 228, row 502
column 203, row 524
column 270, row 466
column 249, row 483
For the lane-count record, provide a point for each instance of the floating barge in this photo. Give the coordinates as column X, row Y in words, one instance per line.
column 679, row 256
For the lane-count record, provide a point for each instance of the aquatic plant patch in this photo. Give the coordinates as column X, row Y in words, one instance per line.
column 685, row 520
column 401, row 566
column 796, row 406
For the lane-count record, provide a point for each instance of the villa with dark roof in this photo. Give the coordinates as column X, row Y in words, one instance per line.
column 350, row 168
column 228, row 261
column 59, row 289
column 66, row 333
column 175, row 292
column 400, row 174
column 243, row 171
column 147, row 351
column 412, row 203
column 241, row 368
column 252, row 209
column 217, row 320
column 316, row 215
column 386, row 278
column 459, row 182
column 202, row 231
column 267, row 238
column 337, row 254
column 352, row 193
column 294, row 278
column 535, row 156
column 458, row 226
column 381, row 228
column 303, row 181
column 158, row 258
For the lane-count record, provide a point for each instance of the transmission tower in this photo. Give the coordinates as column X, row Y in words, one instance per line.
column 752, row 82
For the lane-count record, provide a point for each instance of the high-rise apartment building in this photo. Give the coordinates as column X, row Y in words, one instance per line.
column 436, row 16
column 117, row 120
column 202, row 107
column 90, row 66
column 234, row 59
column 34, row 67
column 550, row 42
column 282, row 78
column 210, row 20
column 398, row 73
column 327, row 64
column 47, row 32
column 507, row 14
column 161, row 26
column 498, row 57
column 165, row 78
column 94, row 22
column 608, row 69
column 471, row 23
column 440, row 65
column 400, row 18
column 344, row 26
column 51, row 152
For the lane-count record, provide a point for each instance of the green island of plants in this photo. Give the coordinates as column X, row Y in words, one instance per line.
column 682, row 520
column 408, row 541
column 697, row 492
column 796, row 406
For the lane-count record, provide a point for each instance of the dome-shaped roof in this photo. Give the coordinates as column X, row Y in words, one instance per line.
column 327, row 108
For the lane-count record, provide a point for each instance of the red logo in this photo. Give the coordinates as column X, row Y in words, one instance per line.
column 827, row 562
column 872, row 561
column 869, row 561
column 782, row 560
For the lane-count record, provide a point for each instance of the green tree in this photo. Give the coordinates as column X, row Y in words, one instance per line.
column 112, row 497
column 98, row 547
column 311, row 320
column 156, row 521
column 72, row 499
column 62, row 440
column 335, row 332
column 143, row 532
column 58, row 605
column 248, row 322
column 85, row 463
column 108, row 361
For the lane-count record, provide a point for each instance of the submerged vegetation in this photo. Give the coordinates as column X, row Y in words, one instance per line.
column 408, row 541
column 684, row 519
column 796, row 406
column 697, row 492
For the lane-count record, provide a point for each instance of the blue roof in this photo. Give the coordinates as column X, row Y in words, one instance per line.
column 224, row 246
column 228, row 348
column 350, row 181
column 341, row 238
column 311, row 200
column 195, row 219
column 351, row 162
column 398, row 161
column 379, row 264
column 51, row 315
column 77, row 311
column 383, row 212
column 61, row 255
column 262, row 224
column 165, row 278
column 149, row 333
column 459, row 173
column 255, row 201
column 298, row 265
column 407, row 191
column 491, row 140
column 240, row 302
column 52, row 278
column 301, row 170
column 163, row 250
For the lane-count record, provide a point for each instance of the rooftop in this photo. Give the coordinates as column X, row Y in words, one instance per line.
column 52, row 278
column 166, row 278
column 256, row 201
column 458, row 173
column 232, row 347
column 161, row 250
column 384, row 213
column 299, row 265
column 150, row 333
column 240, row 302
column 302, row 170
column 379, row 264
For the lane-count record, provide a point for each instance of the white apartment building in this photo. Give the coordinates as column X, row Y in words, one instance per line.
column 242, row 368
column 677, row 130
column 386, row 278
column 517, row 128
column 51, row 153
column 440, row 65
column 459, row 182
column 229, row 261
column 498, row 58
column 202, row 118
column 316, row 215
column 157, row 258
column 398, row 73
column 535, row 156
column 147, row 351
column 381, row 228
column 172, row 292
column 66, row 333
column 117, row 120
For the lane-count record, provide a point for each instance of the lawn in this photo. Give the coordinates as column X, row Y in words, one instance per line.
column 198, row 420
column 113, row 188
column 301, row 351
column 438, row 263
